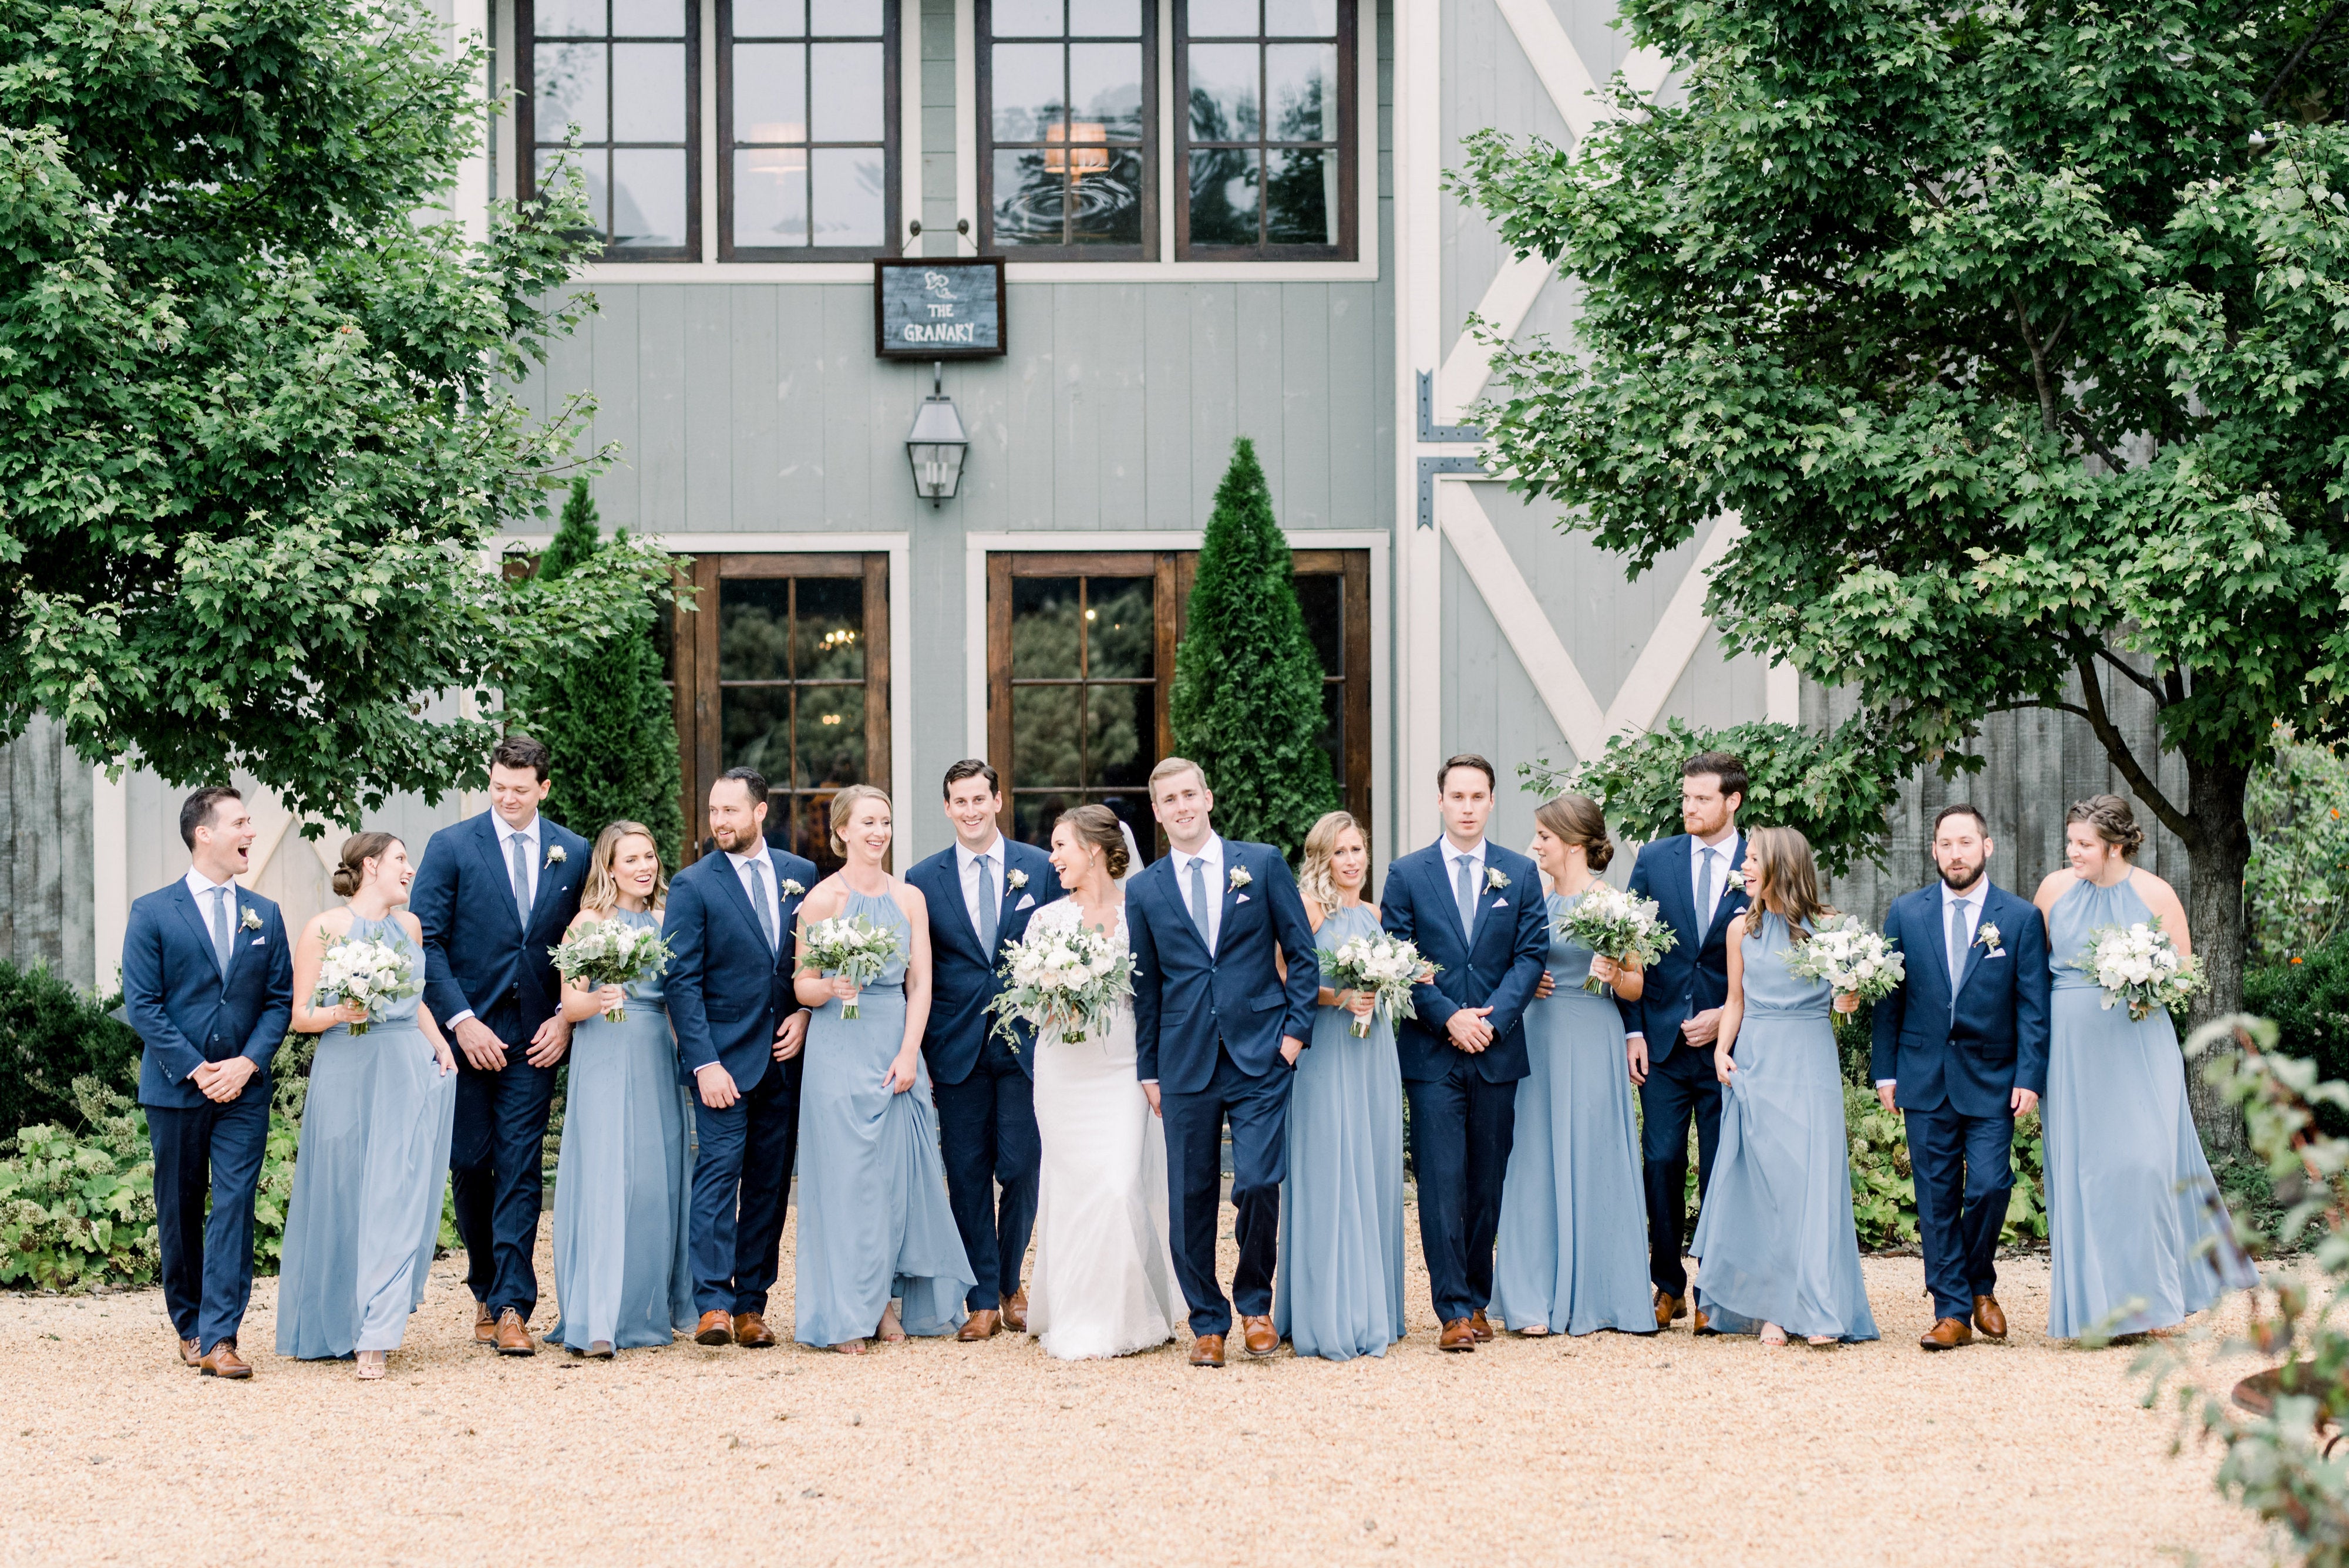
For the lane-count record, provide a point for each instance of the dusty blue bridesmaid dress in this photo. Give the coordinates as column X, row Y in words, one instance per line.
column 873, row 1219
column 2130, row 1201
column 1573, row 1250
column 365, row 1214
column 1775, row 1241
column 624, row 1182
column 1338, row 1292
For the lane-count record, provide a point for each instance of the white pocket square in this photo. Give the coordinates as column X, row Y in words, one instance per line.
column 1242, row 899
column 1987, row 957
column 257, row 941
column 1027, row 902
column 1500, row 903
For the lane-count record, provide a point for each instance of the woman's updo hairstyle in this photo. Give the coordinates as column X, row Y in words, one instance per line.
column 1577, row 819
column 843, row 805
column 358, row 850
column 2115, row 822
column 1097, row 825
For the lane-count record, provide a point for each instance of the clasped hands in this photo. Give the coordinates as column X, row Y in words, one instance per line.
column 221, row 1082
column 487, row 1053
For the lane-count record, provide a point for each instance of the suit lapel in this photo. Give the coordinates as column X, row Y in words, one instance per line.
column 1721, row 899
column 1231, row 893
column 722, row 865
column 950, row 873
column 237, row 939
column 1676, row 895
column 1975, row 952
column 544, row 875
column 1173, row 893
column 196, row 916
column 494, row 859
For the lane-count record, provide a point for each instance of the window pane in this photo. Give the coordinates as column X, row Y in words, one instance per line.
column 765, row 19
column 1301, row 19
column 753, row 618
column 1119, row 637
column 1028, row 90
column 829, row 641
column 831, row 749
column 769, row 92
column 1044, row 629
column 1119, row 721
column 648, row 197
column 1105, row 90
column 1301, row 196
column 1224, row 92
column 1104, row 18
column 832, row 18
column 1223, row 18
column 754, row 730
column 845, row 88
column 567, row 18
column 850, row 205
column 1044, row 732
column 648, row 18
column 1223, row 197
column 1301, row 79
column 1105, row 208
column 1322, row 597
column 568, row 83
column 1028, row 198
column 803, row 824
column 1026, row 19
column 648, row 93
column 590, row 164
column 1032, row 816
column 771, row 196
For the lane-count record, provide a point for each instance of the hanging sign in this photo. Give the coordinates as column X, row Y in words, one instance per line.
column 938, row 307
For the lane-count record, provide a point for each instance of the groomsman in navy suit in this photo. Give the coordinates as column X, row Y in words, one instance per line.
column 208, row 982
column 1697, row 879
column 1962, row 1048
column 494, row 895
column 1476, row 911
column 1216, row 1033
column 981, row 892
column 730, row 926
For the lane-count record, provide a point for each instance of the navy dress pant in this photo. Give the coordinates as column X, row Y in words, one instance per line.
column 741, row 1187
column 1964, row 1168
column 1258, row 1107
column 208, row 1150
column 987, row 1132
column 1461, row 1130
column 496, row 1184
column 1680, row 1089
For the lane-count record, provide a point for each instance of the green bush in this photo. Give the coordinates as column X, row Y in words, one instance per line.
column 50, row 1035
column 2296, row 887
column 2307, row 999
column 78, row 1210
column 1884, row 1190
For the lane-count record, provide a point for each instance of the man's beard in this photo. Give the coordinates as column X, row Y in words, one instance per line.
column 1964, row 877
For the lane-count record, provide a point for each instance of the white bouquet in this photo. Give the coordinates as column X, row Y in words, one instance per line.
column 611, row 952
column 849, row 945
column 1385, row 967
column 2140, row 965
column 1852, row 959
column 1070, row 978
column 367, row 974
column 1617, row 926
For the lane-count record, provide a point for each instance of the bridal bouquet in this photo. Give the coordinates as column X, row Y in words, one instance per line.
column 367, row 974
column 1072, row 979
column 1852, row 959
column 611, row 952
column 849, row 945
column 1386, row 968
column 2140, row 965
column 1618, row 925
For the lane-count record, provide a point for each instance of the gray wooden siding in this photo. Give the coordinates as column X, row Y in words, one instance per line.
column 1487, row 82
column 45, row 836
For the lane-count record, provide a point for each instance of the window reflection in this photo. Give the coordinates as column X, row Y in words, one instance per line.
column 617, row 72
column 1084, row 700
column 1065, row 82
column 791, row 697
column 1261, row 85
column 807, row 125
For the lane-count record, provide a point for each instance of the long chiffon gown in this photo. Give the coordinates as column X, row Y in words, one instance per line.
column 874, row 1220
column 1775, row 1241
column 1338, row 1293
column 2137, row 1237
column 1573, row 1250
column 366, row 1212
column 624, row 1182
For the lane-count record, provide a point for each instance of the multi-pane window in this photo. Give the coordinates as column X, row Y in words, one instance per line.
column 1065, row 114
column 1265, row 134
column 808, row 107
column 622, row 73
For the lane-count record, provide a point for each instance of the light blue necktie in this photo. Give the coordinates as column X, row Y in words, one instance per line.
column 1465, row 889
column 988, row 906
column 521, row 862
column 1703, row 890
column 759, row 900
column 1959, row 942
column 1199, row 901
column 220, row 929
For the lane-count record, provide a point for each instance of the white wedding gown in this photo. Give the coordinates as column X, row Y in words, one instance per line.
column 1104, row 1278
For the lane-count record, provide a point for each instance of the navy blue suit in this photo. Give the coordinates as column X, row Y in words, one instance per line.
column 727, row 993
column 1208, row 1029
column 1955, row 1063
column 1463, row 1105
column 479, row 959
column 985, row 1090
column 1693, row 978
column 188, row 1013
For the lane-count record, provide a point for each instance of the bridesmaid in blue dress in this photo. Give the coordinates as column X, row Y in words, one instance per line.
column 1338, row 1292
column 2139, row 1237
column 624, row 1177
column 874, row 1227
column 366, row 1212
column 1778, row 1251
column 1573, row 1240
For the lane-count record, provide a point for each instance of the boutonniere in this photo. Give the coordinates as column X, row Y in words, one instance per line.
column 1240, row 878
column 252, row 922
column 1016, row 878
column 1494, row 880
column 1987, row 938
column 555, row 854
column 790, row 889
column 1735, row 881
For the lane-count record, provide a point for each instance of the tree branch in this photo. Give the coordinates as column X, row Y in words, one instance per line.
column 2116, row 748
column 2292, row 66
column 2056, row 703
column 2152, row 688
column 2047, row 417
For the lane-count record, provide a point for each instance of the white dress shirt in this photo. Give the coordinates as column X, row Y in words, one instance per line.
column 766, row 885
column 1722, row 850
column 203, row 887
column 1453, row 855
column 972, row 898
column 1211, row 859
column 1971, row 900
column 530, row 832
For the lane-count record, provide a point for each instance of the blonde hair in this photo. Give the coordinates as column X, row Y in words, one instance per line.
column 1577, row 819
column 358, row 850
column 1315, row 877
column 1790, row 878
column 1169, row 767
column 844, row 802
column 601, row 893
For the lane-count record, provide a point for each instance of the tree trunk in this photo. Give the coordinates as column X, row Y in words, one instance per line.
column 2219, row 849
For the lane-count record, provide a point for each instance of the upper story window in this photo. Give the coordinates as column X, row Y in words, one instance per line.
column 1067, row 119
column 807, row 106
column 1265, row 136
column 621, row 72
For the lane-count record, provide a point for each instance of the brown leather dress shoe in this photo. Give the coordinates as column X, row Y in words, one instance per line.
column 1948, row 1334
column 225, row 1362
column 1460, row 1334
column 1479, row 1327
column 513, row 1334
column 1207, row 1350
column 1669, row 1308
column 752, row 1333
column 715, row 1328
column 1990, row 1318
column 485, row 1325
column 1014, row 1312
column 189, row 1355
column 980, row 1325
column 1703, row 1323
column 1257, row 1336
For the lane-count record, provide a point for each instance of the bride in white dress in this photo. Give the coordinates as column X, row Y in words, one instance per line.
column 1104, row 1279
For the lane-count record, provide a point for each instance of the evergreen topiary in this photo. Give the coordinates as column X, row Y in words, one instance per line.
column 1247, row 704
column 606, row 714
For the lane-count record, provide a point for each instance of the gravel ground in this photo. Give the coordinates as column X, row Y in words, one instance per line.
column 1622, row 1449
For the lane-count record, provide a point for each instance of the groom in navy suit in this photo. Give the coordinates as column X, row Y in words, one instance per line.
column 208, row 982
column 1475, row 910
column 1962, row 1048
column 494, row 894
column 1216, row 1033
column 729, row 924
column 1697, row 879
column 981, row 890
